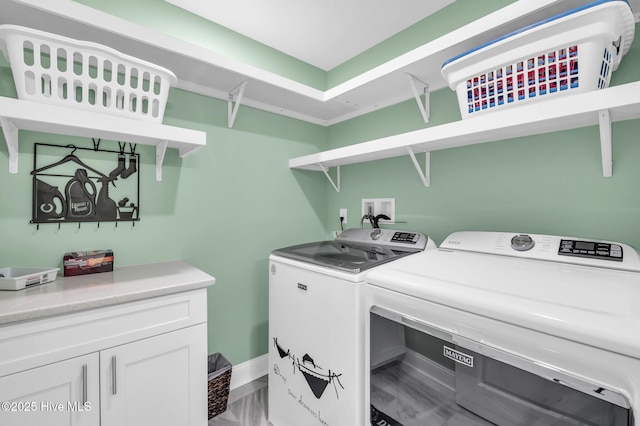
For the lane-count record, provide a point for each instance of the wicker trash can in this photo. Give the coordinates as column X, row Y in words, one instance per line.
column 219, row 384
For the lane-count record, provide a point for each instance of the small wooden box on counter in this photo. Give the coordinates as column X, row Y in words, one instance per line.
column 87, row 262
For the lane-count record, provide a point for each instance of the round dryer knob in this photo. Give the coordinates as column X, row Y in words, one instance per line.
column 376, row 234
column 522, row 242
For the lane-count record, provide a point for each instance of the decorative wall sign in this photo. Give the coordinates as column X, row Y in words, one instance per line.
column 68, row 189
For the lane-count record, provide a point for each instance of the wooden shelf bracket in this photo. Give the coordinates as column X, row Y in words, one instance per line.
column 232, row 108
column 425, row 107
column 10, row 131
column 425, row 176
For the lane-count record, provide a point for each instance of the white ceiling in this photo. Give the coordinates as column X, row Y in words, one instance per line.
column 322, row 33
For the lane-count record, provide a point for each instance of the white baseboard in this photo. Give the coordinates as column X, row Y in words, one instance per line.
column 249, row 371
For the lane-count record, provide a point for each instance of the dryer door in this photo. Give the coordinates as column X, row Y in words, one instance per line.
column 508, row 395
column 444, row 379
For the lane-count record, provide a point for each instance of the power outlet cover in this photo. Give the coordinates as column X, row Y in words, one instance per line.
column 343, row 214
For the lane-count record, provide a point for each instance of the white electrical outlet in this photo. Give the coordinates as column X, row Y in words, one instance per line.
column 343, row 214
column 377, row 206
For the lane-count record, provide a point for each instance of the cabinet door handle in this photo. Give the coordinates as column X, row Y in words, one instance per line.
column 84, row 384
column 114, row 389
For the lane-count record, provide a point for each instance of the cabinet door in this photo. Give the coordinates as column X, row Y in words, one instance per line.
column 157, row 381
column 61, row 394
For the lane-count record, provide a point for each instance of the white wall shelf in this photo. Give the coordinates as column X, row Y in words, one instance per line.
column 601, row 107
column 203, row 71
column 16, row 115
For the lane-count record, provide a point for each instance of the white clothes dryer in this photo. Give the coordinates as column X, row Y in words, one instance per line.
column 515, row 330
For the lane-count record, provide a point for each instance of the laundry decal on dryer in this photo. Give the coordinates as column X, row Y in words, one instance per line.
column 278, row 373
column 316, row 377
column 284, row 354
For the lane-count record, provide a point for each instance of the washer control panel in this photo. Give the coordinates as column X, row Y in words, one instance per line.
column 592, row 249
column 391, row 238
column 405, row 237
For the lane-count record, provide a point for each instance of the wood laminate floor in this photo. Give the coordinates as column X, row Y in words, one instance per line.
column 247, row 406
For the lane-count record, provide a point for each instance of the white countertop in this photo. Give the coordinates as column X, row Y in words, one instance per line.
column 125, row 284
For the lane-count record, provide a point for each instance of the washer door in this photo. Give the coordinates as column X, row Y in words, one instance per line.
column 346, row 257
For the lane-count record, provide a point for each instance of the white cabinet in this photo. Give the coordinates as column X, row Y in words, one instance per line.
column 154, row 381
column 64, row 393
column 137, row 363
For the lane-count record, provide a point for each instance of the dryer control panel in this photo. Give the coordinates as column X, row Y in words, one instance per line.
column 565, row 249
column 592, row 249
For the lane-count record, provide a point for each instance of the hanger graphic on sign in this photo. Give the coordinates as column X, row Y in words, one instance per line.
column 66, row 159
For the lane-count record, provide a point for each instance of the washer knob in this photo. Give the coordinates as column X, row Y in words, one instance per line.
column 376, row 234
column 522, row 242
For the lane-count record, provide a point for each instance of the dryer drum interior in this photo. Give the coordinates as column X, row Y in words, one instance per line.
column 446, row 383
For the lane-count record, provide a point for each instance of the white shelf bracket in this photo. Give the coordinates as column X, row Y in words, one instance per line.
column 425, row 108
column 235, row 95
column 161, row 149
column 325, row 170
column 604, row 117
column 426, row 175
column 11, row 136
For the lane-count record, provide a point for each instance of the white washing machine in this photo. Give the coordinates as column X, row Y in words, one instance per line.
column 316, row 330
column 514, row 330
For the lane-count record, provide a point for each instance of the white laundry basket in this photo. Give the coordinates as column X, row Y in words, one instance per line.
column 59, row 70
column 572, row 52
